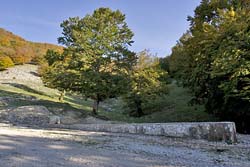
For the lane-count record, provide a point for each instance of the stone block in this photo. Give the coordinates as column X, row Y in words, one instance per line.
column 211, row 131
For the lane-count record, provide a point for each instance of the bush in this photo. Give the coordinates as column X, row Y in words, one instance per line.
column 5, row 62
column 38, row 60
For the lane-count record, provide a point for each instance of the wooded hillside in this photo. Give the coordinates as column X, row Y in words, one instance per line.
column 21, row 51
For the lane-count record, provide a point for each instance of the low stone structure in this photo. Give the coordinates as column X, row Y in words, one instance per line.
column 30, row 115
column 211, row 131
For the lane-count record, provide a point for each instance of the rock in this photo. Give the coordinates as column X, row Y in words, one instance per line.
column 3, row 104
column 54, row 119
column 31, row 115
column 93, row 120
column 69, row 120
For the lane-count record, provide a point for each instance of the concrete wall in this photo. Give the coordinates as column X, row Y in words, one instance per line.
column 212, row 131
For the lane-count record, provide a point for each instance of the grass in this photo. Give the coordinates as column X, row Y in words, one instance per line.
column 28, row 93
column 173, row 107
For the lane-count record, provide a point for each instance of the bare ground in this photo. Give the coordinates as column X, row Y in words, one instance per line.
column 29, row 147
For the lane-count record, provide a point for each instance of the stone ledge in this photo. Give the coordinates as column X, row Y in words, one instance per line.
column 211, row 131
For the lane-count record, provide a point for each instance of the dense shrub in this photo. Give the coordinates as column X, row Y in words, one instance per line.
column 5, row 62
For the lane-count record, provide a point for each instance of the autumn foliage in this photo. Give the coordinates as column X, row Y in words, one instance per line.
column 21, row 51
column 5, row 62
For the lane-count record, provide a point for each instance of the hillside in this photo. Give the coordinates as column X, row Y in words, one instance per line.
column 22, row 90
column 20, row 50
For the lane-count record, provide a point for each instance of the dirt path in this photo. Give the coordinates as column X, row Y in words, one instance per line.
column 27, row 147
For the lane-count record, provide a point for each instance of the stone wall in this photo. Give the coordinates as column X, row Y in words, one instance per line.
column 211, row 131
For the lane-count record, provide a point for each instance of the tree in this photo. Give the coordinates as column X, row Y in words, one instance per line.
column 164, row 63
column 5, row 62
column 218, row 66
column 145, row 83
column 181, row 60
column 96, row 59
column 230, row 67
column 54, row 74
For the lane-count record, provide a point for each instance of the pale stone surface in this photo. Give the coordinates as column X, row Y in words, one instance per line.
column 93, row 120
column 69, row 120
column 33, row 115
column 21, row 73
column 212, row 131
column 54, row 119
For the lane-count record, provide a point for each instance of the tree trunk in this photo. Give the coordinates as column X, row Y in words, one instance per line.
column 95, row 107
column 62, row 94
column 139, row 108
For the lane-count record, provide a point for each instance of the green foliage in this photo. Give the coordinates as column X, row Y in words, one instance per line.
column 5, row 62
column 164, row 63
column 171, row 107
column 53, row 56
column 97, row 60
column 181, row 60
column 40, row 49
column 145, row 84
column 217, row 59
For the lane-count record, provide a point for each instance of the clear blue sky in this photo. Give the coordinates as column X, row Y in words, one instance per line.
column 157, row 24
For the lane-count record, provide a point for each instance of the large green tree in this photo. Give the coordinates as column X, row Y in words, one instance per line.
column 96, row 59
column 217, row 54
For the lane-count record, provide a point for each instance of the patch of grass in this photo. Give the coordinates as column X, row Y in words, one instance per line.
column 22, row 95
column 26, row 88
column 172, row 107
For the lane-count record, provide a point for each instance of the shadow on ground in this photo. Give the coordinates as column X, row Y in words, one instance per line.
column 26, row 88
column 35, row 148
column 13, row 100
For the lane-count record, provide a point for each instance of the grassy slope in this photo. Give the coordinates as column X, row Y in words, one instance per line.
column 26, row 92
column 174, row 108
column 22, row 97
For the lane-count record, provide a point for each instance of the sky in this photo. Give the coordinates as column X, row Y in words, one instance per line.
column 157, row 24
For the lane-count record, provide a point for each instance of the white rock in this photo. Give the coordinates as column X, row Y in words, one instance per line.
column 54, row 119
